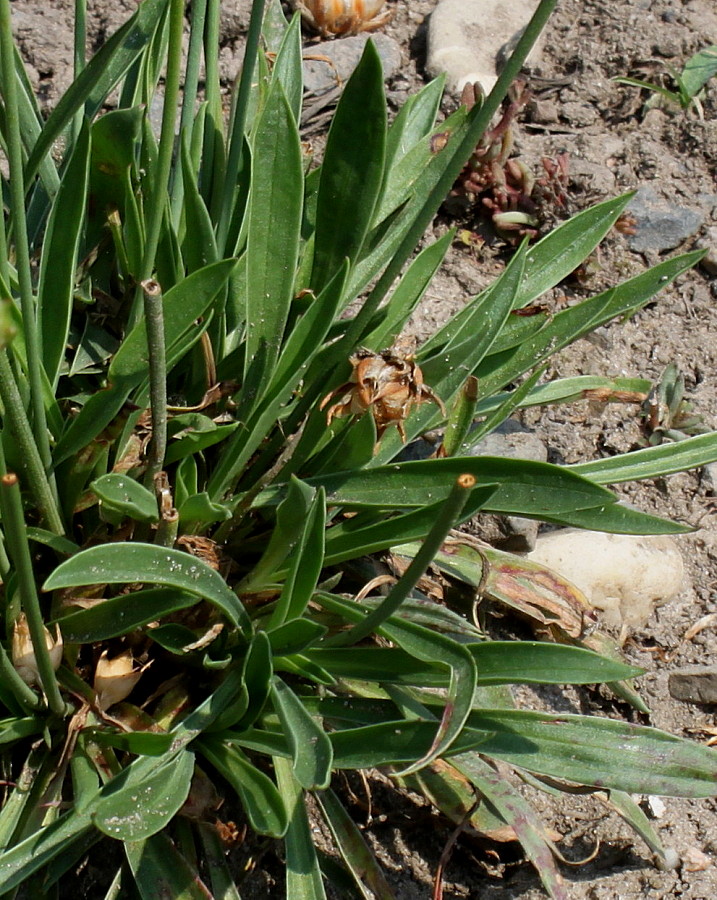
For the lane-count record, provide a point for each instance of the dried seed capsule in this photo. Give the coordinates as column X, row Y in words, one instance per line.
column 23, row 653
column 115, row 678
column 332, row 17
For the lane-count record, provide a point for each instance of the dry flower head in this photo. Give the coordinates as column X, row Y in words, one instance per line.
column 332, row 17
column 389, row 383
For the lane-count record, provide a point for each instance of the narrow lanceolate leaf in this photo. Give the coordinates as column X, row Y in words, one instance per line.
column 310, row 745
column 535, row 662
column 275, row 210
column 602, row 753
column 500, row 368
column 130, row 563
column 352, row 171
column 59, row 257
column 524, row 488
column 652, row 462
column 619, row 519
column 407, row 294
column 287, row 68
column 123, row 614
column 183, row 305
column 258, row 793
column 303, row 875
column 99, row 77
column 305, row 567
column 160, row 870
column 446, row 370
column 504, row 798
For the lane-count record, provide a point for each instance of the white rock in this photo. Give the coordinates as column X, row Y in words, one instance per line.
column 624, row 576
column 466, row 36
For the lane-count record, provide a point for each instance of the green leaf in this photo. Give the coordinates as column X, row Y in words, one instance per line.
column 534, row 662
column 160, row 870
column 135, row 805
column 142, row 743
column 287, row 68
column 257, row 675
column 290, row 517
column 629, row 810
column 192, row 442
column 12, row 730
column 300, row 348
column 524, row 487
column 446, row 371
column 182, row 305
column 408, row 293
column 378, row 664
column 200, row 508
column 275, row 209
column 618, row 519
column 257, row 792
column 306, row 566
column 303, row 876
column 99, row 77
column 392, row 743
column 652, row 462
column 698, row 70
column 199, row 246
column 122, row 615
column 124, row 495
column 432, row 648
column 122, row 563
column 59, row 257
column 310, row 745
column 352, row 170
column 565, row 327
column 602, row 753
column 294, row 636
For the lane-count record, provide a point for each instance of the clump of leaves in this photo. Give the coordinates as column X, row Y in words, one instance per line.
column 501, row 188
column 687, row 88
column 179, row 516
column 666, row 414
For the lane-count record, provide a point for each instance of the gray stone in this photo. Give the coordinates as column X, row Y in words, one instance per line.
column 465, row 38
column 661, row 225
column 694, row 684
column 340, row 58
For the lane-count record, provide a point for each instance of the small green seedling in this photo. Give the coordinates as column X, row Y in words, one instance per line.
column 697, row 72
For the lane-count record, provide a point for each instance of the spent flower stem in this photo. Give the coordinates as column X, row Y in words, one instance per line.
column 22, row 250
column 19, row 424
column 16, row 534
column 154, row 322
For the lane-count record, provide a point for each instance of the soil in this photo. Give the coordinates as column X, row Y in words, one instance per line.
column 613, row 146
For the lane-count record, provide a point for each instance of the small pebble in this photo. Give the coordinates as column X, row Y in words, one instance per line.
column 694, row 684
